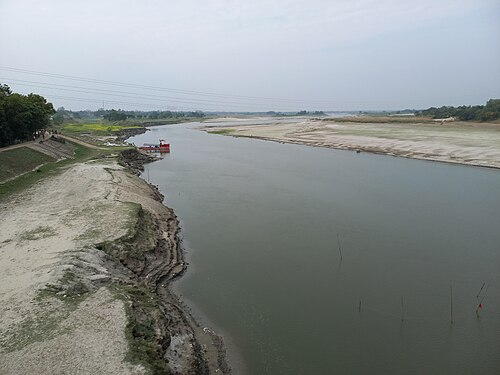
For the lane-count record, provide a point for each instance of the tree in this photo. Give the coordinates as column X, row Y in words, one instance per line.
column 21, row 115
column 114, row 115
column 488, row 112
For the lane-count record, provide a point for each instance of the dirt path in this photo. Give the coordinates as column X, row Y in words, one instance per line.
column 82, row 143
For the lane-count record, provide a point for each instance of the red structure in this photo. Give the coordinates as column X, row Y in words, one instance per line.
column 162, row 147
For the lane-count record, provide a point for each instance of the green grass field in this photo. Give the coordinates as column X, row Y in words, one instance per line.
column 20, row 160
column 96, row 128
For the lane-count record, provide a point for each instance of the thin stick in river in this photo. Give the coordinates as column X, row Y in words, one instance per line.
column 402, row 310
column 340, row 249
column 480, row 290
column 480, row 306
column 451, row 303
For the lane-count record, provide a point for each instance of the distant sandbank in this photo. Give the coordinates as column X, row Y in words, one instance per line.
column 469, row 143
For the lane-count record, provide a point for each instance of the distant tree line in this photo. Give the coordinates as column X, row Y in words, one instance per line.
column 488, row 112
column 169, row 114
column 63, row 114
column 299, row 113
column 22, row 115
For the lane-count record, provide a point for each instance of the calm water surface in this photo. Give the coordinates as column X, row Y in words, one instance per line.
column 260, row 222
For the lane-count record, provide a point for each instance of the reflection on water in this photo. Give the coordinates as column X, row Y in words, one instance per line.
column 261, row 219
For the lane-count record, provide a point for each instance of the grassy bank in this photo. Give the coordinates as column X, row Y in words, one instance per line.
column 20, row 160
column 48, row 169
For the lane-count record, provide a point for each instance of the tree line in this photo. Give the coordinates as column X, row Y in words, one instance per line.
column 299, row 113
column 488, row 112
column 63, row 115
column 22, row 115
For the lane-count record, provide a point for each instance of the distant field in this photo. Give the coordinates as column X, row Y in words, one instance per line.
column 20, row 160
column 96, row 128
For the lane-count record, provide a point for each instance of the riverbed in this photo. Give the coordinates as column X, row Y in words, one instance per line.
column 321, row 261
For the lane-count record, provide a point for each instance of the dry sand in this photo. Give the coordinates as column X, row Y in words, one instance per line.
column 48, row 235
column 455, row 142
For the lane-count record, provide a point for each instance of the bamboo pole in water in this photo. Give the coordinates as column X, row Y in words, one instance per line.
column 402, row 310
column 482, row 299
column 451, row 303
column 480, row 290
column 340, row 249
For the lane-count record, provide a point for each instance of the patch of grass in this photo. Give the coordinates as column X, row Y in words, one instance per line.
column 35, row 330
column 96, row 128
column 46, row 325
column 20, row 160
column 221, row 131
column 141, row 331
column 69, row 289
column 38, row 233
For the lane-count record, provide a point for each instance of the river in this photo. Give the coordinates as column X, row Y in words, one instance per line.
column 262, row 223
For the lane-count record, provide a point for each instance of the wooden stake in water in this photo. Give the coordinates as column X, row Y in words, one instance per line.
column 340, row 249
column 402, row 310
column 480, row 290
column 480, row 306
column 451, row 303
column 359, row 308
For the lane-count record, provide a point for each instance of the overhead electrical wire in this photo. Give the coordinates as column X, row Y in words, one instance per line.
column 124, row 94
column 157, row 88
column 148, row 105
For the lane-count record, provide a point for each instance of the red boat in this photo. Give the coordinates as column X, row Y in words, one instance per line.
column 162, row 147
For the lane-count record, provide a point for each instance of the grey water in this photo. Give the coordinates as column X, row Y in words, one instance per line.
column 260, row 222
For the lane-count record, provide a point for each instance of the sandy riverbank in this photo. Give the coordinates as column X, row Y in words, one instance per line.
column 456, row 142
column 86, row 258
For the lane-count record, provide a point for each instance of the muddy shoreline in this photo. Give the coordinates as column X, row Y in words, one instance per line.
column 188, row 347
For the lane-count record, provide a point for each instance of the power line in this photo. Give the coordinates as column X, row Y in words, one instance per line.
column 124, row 94
column 115, row 102
column 156, row 88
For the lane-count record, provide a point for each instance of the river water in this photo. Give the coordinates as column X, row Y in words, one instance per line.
column 262, row 223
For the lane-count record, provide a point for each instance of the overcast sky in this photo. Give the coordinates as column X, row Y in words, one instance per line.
column 255, row 55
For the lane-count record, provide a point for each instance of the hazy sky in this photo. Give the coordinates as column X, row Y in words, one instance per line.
column 258, row 55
